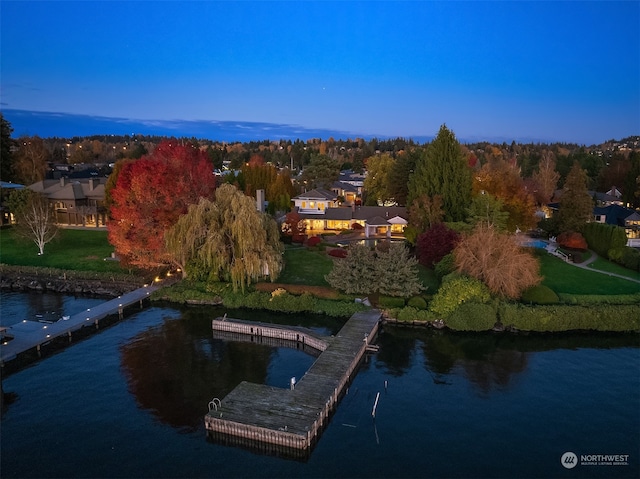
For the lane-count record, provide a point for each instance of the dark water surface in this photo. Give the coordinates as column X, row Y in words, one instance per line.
column 130, row 400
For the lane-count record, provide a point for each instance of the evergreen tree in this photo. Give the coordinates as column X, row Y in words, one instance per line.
column 576, row 206
column 6, row 160
column 444, row 171
column 398, row 180
column 397, row 272
column 391, row 272
column 631, row 187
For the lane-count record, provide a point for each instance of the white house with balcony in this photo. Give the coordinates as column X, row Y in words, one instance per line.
column 315, row 202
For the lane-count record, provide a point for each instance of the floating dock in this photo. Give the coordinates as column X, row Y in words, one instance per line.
column 289, row 421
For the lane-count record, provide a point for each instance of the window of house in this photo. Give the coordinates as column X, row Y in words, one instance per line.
column 304, row 204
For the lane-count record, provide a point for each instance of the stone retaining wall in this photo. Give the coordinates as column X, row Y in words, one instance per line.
column 87, row 287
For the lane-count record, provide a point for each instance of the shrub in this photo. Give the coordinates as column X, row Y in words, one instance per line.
column 314, row 241
column 457, row 291
column 337, row 252
column 631, row 258
column 572, row 240
column 338, row 309
column 445, row 266
column 471, row 316
column 417, row 302
column 317, row 291
column 409, row 314
column 540, row 294
column 625, row 256
column 390, row 302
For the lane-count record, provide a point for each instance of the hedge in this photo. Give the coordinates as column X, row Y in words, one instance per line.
column 318, row 291
column 409, row 314
column 566, row 318
column 588, row 299
column 602, row 237
column 390, row 302
column 289, row 303
column 472, row 316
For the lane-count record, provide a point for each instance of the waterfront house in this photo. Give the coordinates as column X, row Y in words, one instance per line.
column 322, row 212
column 620, row 216
column 77, row 202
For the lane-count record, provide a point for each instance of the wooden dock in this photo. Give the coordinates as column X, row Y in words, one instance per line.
column 289, row 421
column 28, row 335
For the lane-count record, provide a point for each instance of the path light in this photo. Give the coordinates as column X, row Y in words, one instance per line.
column 48, row 335
column 157, row 280
column 44, row 327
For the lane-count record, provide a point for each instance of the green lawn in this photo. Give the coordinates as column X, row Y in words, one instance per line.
column 303, row 266
column 78, row 250
column 602, row 264
column 566, row 278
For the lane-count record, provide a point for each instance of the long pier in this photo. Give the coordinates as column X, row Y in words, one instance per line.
column 290, row 421
column 27, row 335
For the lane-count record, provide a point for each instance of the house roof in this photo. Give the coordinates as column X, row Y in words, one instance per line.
column 386, row 212
column 70, row 190
column 317, row 194
column 377, row 221
column 615, row 214
column 341, row 185
column 379, row 215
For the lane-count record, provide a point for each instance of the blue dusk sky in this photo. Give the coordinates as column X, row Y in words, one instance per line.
column 502, row 70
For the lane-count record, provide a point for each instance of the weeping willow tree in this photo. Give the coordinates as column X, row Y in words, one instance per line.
column 226, row 240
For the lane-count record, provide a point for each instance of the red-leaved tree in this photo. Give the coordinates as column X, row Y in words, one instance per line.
column 435, row 243
column 572, row 240
column 149, row 196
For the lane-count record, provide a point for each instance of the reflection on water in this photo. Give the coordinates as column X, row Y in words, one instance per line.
column 175, row 369
column 488, row 361
column 34, row 306
column 130, row 401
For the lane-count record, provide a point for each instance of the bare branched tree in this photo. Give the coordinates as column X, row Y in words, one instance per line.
column 36, row 220
column 498, row 261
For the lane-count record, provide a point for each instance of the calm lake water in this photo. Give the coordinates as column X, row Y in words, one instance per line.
column 130, row 400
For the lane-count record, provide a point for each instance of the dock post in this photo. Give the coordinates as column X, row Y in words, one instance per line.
column 69, row 333
column 375, row 405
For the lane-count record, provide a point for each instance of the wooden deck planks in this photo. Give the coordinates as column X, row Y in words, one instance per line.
column 31, row 334
column 294, row 418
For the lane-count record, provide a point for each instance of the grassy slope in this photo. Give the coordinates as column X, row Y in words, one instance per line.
column 79, row 250
column 565, row 278
column 601, row 264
